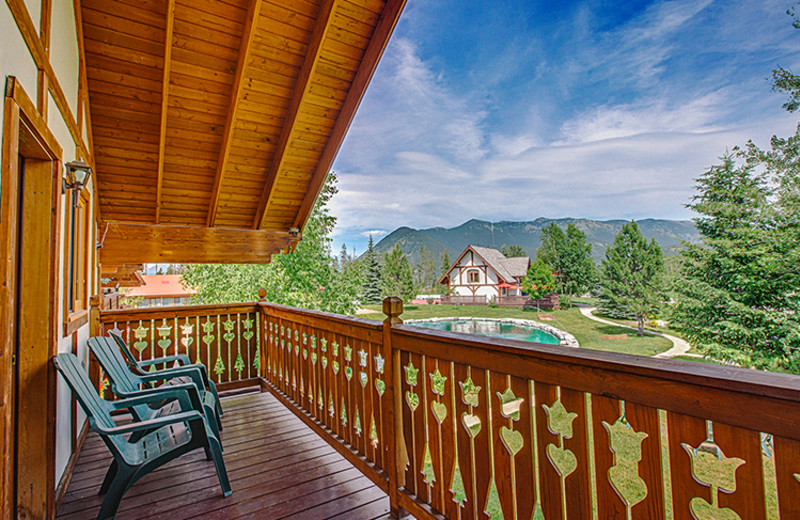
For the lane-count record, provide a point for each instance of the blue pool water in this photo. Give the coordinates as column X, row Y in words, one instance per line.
column 492, row 328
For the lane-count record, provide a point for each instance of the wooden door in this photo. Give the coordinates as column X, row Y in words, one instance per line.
column 29, row 204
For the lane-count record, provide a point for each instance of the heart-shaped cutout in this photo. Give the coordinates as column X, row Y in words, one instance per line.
column 439, row 411
column 413, row 400
column 348, row 372
column 140, row 345
column 164, row 343
column 335, row 367
column 512, row 440
column 187, row 341
column 563, row 460
column 228, row 336
column 472, row 423
column 248, row 335
column 363, row 378
column 380, row 386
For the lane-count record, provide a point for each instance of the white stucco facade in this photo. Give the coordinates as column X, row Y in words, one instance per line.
column 17, row 61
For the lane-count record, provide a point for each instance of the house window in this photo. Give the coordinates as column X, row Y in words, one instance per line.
column 77, row 227
column 473, row 276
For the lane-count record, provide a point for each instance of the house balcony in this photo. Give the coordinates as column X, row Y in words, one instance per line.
column 354, row 418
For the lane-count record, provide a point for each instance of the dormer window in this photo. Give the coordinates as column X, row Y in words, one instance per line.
column 473, row 276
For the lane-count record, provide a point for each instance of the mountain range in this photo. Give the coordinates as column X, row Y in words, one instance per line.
column 600, row 233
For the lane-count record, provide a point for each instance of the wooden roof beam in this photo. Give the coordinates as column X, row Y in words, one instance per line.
column 300, row 89
column 380, row 38
column 162, row 139
column 148, row 243
column 236, row 95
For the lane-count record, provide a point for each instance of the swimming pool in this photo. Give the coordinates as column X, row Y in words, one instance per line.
column 510, row 329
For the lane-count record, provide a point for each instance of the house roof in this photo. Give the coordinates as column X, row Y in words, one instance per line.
column 508, row 269
column 161, row 286
column 220, row 115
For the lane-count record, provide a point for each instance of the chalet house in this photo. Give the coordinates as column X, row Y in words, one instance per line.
column 481, row 275
column 201, row 131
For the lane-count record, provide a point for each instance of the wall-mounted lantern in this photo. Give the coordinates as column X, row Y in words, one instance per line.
column 78, row 173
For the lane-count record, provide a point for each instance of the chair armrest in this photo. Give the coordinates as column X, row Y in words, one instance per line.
column 169, row 373
column 153, row 423
column 182, row 360
column 186, row 394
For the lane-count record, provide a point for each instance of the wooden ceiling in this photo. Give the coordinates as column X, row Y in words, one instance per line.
column 222, row 114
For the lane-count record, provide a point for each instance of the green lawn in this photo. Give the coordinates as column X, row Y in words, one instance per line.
column 586, row 331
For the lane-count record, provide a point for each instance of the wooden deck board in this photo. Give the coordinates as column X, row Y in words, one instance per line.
column 277, row 466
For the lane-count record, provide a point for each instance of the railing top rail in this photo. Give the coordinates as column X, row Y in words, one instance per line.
column 553, row 358
column 179, row 311
column 328, row 316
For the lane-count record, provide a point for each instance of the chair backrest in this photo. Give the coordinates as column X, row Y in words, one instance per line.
column 73, row 373
column 126, row 351
column 107, row 353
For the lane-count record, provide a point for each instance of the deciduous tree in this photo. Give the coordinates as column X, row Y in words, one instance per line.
column 396, row 278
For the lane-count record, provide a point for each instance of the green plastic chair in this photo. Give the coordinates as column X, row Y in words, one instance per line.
column 139, row 367
column 125, row 383
column 159, row 440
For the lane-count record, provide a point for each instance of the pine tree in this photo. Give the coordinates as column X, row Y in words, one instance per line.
column 396, row 277
column 445, row 263
column 371, row 288
column 632, row 274
column 737, row 296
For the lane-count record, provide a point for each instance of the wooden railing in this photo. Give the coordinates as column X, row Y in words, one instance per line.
column 464, row 300
column 453, row 425
column 223, row 337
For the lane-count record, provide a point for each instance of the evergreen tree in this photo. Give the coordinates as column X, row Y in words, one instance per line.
column 632, row 273
column 371, row 288
column 396, row 278
column 738, row 298
column 578, row 266
column 513, row 251
column 445, row 263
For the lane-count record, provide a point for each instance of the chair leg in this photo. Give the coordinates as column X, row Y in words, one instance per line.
column 110, row 474
column 213, row 421
column 213, row 388
column 219, row 463
column 115, row 492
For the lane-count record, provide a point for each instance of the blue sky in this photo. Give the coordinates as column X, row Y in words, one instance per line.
column 519, row 109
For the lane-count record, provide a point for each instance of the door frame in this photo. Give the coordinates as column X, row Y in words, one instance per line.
column 27, row 429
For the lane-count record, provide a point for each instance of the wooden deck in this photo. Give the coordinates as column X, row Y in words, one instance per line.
column 278, row 467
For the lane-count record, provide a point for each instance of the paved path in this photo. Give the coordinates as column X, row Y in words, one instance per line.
column 679, row 346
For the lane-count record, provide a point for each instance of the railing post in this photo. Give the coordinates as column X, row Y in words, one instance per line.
column 393, row 428
column 262, row 340
column 94, row 330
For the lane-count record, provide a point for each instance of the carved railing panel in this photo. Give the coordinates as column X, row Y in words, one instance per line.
column 224, row 338
column 491, row 425
column 333, row 369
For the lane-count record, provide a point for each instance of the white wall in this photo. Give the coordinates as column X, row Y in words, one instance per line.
column 16, row 60
column 459, row 278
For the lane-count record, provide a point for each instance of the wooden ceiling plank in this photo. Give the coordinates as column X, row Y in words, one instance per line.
column 384, row 29
column 236, row 95
column 162, row 141
column 303, row 84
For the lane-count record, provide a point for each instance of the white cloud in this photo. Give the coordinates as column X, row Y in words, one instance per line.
column 375, row 233
column 421, row 153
